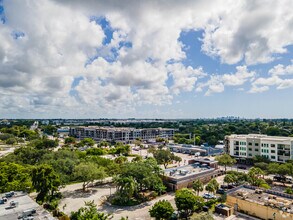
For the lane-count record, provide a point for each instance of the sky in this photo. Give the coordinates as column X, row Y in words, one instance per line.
column 146, row 59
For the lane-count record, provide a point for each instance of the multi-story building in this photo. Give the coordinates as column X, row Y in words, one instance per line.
column 275, row 148
column 120, row 134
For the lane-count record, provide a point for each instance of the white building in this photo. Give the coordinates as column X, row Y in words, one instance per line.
column 278, row 149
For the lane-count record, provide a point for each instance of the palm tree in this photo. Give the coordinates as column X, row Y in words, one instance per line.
column 212, row 186
column 197, row 186
column 255, row 174
column 126, row 187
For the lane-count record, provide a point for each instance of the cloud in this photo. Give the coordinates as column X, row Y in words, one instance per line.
column 251, row 30
column 217, row 83
column 184, row 77
column 47, row 44
column 280, row 70
column 274, row 79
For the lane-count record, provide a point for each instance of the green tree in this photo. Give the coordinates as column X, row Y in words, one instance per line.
column 87, row 173
column 11, row 141
column 161, row 210
column 14, row 177
column 87, row 142
column 197, row 186
column 255, row 174
column 70, row 140
column 89, row 212
column 165, row 157
column 212, row 186
column 126, row 188
column 120, row 160
column 185, row 201
column 44, row 143
column 225, row 160
column 45, row 181
column 230, row 178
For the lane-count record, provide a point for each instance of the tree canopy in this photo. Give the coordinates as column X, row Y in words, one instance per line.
column 161, row 210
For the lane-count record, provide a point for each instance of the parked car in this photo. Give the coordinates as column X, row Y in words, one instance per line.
column 9, row 194
column 3, row 200
column 224, row 186
column 279, row 178
column 241, row 167
column 221, row 191
column 231, row 186
column 208, row 196
column 27, row 213
column 13, row 204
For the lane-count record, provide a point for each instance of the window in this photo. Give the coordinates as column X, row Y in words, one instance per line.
column 249, row 143
column 273, row 151
column 256, row 149
column 272, row 145
column 256, row 144
column 250, row 155
column 273, row 157
column 250, row 149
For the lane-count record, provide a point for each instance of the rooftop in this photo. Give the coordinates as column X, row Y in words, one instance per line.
column 121, row 128
column 188, row 170
column 270, row 198
column 261, row 136
column 24, row 203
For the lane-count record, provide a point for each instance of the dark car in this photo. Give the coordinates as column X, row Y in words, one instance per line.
column 224, row 186
column 279, row 178
column 9, row 194
column 231, row 187
column 221, row 191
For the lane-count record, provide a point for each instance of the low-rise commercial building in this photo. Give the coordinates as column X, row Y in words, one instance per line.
column 187, row 149
column 278, row 149
column 120, row 133
column 184, row 176
column 260, row 203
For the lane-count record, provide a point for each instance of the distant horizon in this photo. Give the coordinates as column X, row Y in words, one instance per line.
column 217, row 118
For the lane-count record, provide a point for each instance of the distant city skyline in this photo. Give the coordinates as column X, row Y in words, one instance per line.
column 146, row 59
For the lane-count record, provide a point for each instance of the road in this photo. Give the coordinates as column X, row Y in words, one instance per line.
column 6, row 150
column 74, row 198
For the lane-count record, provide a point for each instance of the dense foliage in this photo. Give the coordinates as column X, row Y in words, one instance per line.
column 161, row 210
column 135, row 178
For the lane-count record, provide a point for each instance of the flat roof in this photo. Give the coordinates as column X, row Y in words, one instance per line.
column 24, row 203
column 186, row 171
column 274, row 200
column 121, row 128
column 261, row 136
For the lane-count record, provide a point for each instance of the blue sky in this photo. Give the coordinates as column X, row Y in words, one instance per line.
column 146, row 60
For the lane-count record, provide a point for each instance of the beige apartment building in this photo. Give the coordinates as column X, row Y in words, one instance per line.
column 275, row 148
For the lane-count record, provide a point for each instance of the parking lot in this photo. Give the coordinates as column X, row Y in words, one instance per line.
column 22, row 203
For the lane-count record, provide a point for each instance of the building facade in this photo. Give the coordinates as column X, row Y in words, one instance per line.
column 277, row 149
column 183, row 177
column 120, row 134
column 261, row 203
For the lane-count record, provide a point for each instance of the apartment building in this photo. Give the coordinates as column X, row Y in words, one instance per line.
column 275, row 148
column 120, row 134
